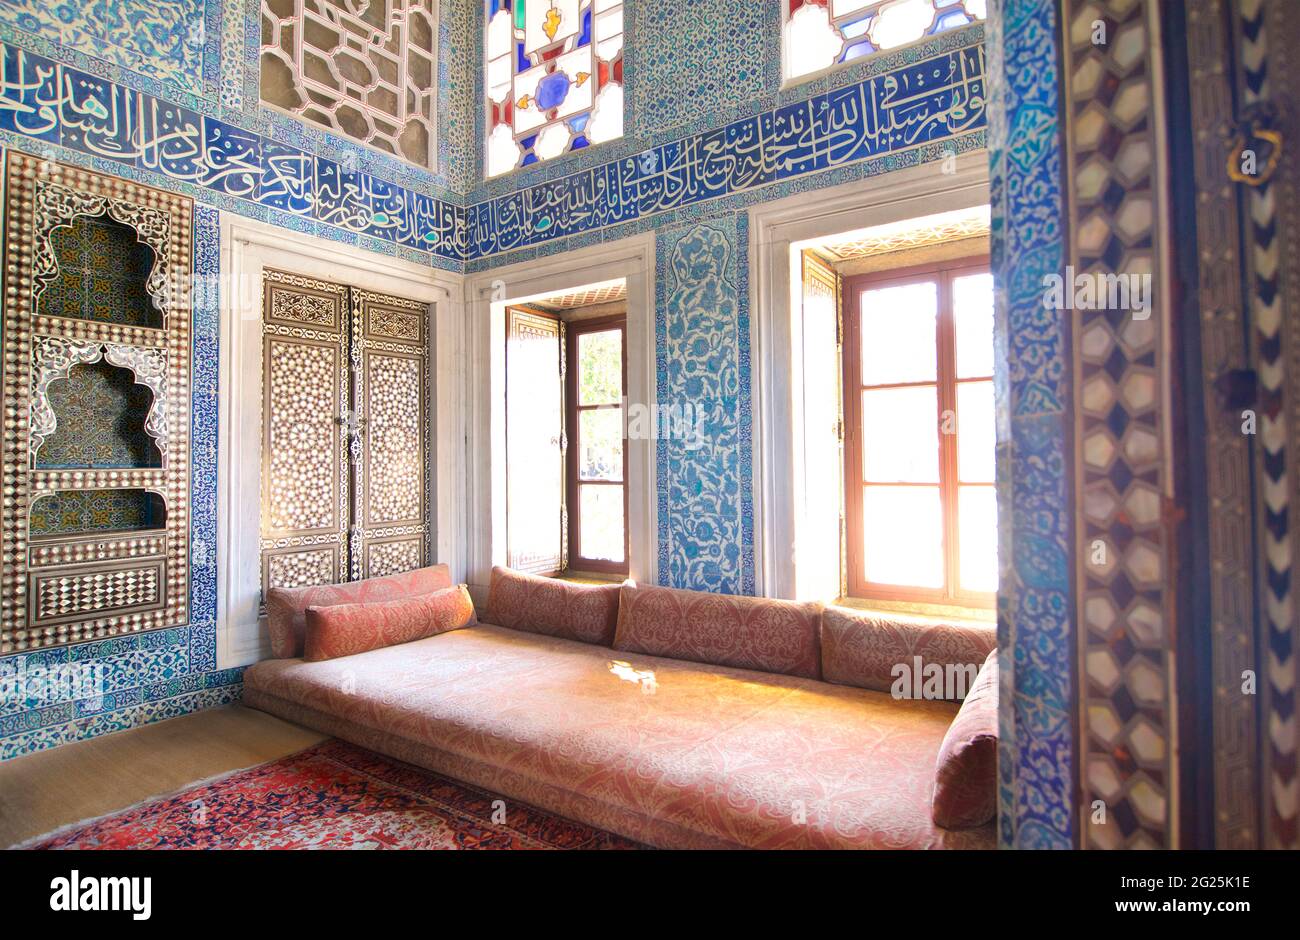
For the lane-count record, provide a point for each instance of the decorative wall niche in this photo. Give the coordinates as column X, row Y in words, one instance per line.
column 103, row 274
column 95, row 534
column 101, row 417
column 84, row 512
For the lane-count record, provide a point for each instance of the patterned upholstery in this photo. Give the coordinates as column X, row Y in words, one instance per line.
column 965, row 778
column 746, row 632
column 348, row 629
column 862, row 649
column 665, row 752
column 582, row 612
column 286, row 608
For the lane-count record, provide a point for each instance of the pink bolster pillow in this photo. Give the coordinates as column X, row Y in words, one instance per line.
column 286, row 608
column 721, row 629
column 583, row 612
column 348, row 629
column 966, row 773
column 863, row 649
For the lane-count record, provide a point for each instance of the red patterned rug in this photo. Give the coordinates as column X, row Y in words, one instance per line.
column 331, row 796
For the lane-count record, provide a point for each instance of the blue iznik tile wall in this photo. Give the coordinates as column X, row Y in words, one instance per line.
column 706, row 512
column 1035, row 633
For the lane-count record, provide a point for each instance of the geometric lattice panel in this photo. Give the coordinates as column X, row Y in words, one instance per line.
column 92, row 593
column 363, row 68
column 304, row 517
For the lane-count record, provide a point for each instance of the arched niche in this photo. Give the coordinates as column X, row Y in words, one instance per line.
column 102, row 273
column 97, row 405
column 100, row 412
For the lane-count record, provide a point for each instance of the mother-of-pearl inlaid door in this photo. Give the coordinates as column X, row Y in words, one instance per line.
column 345, row 455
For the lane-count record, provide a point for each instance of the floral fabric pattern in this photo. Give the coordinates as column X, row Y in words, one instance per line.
column 286, row 608
column 348, row 629
column 862, row 649
column 583, row 612
column 334, row 795
column 746, row 632
column 965, row 780
column 667, row 753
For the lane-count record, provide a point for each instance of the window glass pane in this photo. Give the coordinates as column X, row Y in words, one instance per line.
column 899, row 342
column 902, row 533
column 900, row 435
column 600, row 442
column 554, row 79
column 976, row 434
column 600, row 368
column 977, row 521
column 972, row 310
column 600, row 514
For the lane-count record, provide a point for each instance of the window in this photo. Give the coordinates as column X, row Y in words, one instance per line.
column 566, row 480
column 597, row 490
column 554, row 78
column 534, row 442
column 365, row 70
column 818, row 34
column 921, row 511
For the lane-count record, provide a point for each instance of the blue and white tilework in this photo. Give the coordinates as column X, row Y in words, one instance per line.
column 1035, row 633
column 706, row 513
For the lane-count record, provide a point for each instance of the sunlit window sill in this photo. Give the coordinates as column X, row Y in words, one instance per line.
column 938, row 611
column 591, row 577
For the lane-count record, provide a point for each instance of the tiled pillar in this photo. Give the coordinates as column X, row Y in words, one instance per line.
column 1035, row 602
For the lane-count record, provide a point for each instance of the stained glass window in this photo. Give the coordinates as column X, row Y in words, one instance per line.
column 554, row 78
column 819, row 34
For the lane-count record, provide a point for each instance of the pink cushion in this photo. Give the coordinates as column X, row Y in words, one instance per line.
column 965, row 776
column 722, row 629
column 286, row 608
column 348, row 629
column 583, row 612
column 862, row 649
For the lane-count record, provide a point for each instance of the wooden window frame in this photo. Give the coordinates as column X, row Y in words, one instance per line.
column 576, row 329
column 946, row 382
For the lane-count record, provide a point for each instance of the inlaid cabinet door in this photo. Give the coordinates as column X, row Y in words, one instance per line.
column 305, row 501
column 390, row 449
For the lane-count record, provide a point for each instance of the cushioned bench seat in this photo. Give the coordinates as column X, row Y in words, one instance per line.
column 708, row 756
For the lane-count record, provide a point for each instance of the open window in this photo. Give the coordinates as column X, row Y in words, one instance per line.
column 566, row 435
column 894, row 436
column 596, row 391
column 921, row 512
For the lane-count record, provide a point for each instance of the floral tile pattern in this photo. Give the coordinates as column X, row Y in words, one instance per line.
column 1035, row 633
column 166, row 40
column 706, row 520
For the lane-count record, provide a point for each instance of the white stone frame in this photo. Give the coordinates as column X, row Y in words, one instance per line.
column 774, row 229
column 486, row 296
column 247, row 247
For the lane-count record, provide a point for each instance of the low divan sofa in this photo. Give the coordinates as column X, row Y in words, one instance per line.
column 678, row 719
